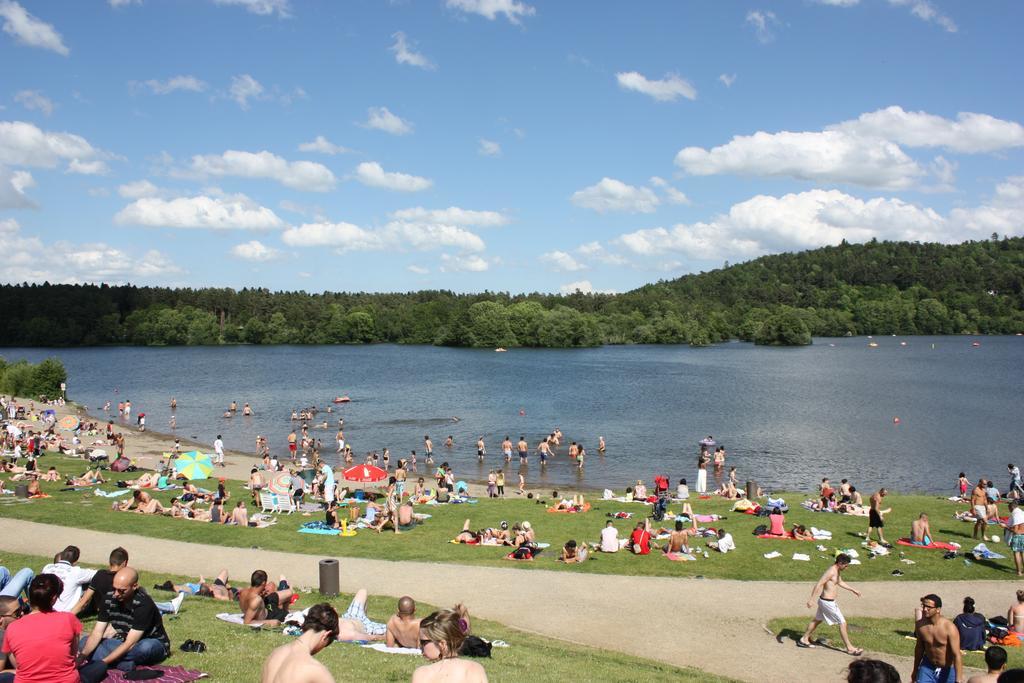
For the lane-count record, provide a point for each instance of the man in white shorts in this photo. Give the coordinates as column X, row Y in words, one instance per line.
column 218, row 449
column 825, row 592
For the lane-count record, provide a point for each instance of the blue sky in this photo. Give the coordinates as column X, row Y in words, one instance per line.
column 494, row 144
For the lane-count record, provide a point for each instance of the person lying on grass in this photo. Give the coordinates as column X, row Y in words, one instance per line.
column 801, row 533
column 90, row 478
column 220, row 589
column 141, row 502
column 573, row 554
column 486, row 536
column 441, row 635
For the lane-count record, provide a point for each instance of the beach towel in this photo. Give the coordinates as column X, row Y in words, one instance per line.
column 111, row 494
column 935, row 545
column 381, row 647
column 40, row 495
column 239, row 618
column 680, row 557
column 982, row 551
column 801, row 557
column 787, row 537
column 322, row 532
column 772, row 555
column 621, row 515
column 573, row 511
column 170, row 674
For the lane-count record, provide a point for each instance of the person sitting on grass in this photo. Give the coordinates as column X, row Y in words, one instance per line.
column 441, row 635
column 403, row 628
column 995, row 664
column 678, row 539
column 573, row 554
column 682, row 490
column 294, row 661
column 51, row 475
column 263, row 604
column 920, row 532
column 240, row 516
column 143, row 503
column 776, row 523
column 801, row 533
column 138, row 631
column 640, row 540
column 724, row 544
column 971, row 626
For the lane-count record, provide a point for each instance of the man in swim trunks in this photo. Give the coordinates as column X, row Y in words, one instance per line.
column 920, row 532
column 481, row 449
column 544, row 450
column 524, row 450
column 293, row 662
column 404, row 627
column 979, row 506
column 261, row 603
column 292, row 445
column 875, row 516
column 506, row 449
column 825, row 592
column 355, row 625
column 677, row 540
column 937, row 656
column 428, row 448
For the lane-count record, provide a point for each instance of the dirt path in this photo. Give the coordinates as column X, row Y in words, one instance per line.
column 714, row 625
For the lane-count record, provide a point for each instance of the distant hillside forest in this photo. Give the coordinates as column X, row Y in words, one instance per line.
column 874, row 288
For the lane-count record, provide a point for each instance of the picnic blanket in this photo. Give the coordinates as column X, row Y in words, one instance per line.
column 935, row 545
column 239, row 618
column 680, row 557
column 571, row 511
column 381, row 647
column 111, row 494
column 170, row 674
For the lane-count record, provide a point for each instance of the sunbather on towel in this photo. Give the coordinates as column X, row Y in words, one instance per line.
column 801, row 533
column 141, row 502
column 218, row 590
column 920, row 532
column 90, row 478
column 467, row 535
column 678, row 539
column 355, row 625
column 403, row 628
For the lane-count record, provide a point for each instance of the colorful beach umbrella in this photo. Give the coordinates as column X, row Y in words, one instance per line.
column 364, row 473
column 193, row 465
column 281, row 483
column 69, row 423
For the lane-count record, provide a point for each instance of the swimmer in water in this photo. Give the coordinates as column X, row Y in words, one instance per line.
column 600, row 444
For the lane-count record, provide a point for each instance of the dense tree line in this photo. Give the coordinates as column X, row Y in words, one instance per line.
column 25, row 379
column 873, row 288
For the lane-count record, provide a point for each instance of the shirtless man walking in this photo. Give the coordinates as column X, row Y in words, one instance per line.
column 876, row 516
column 294, row 663
column 524, row 450
column 481, row 449
column 825, row 592
column 937, row 656
column 404, row 627
column 544, row 450
column 979, row 503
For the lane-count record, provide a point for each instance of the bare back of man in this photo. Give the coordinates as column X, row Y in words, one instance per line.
column 292, row 663
column 403, row 631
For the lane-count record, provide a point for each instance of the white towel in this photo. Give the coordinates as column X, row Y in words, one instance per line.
column 381, row 647
column 801, row 557
column 772, row 555
column 240, row 618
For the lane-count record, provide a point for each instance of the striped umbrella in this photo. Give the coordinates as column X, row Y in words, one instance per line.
column 193, row 465
column 281, row 483
column 69, row 423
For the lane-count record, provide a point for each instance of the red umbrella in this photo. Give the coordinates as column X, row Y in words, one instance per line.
column 364, row 473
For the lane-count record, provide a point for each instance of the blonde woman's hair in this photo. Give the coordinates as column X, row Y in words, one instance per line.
column 447, row 627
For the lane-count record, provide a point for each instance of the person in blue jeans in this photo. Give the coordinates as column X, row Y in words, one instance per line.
column 139, row 635
column 16, row 585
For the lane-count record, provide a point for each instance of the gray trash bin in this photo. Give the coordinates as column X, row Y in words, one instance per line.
column 330, row 578
column 751, row 489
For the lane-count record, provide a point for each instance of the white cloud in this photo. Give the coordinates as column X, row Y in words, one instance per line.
column 513, row 10
column 299, row 175
column 34, row 100
column 28, row 30
column 12, row 189
column 764, row 23
column 453, row 215
column 827, row 156
column 244, row 88
column 970, row 133
column 488, row 148
column 263, row 7
column 138, row 189
column 561, row 261
column 838, row 3
column 124, row 3
column 254, row 250
column 464, row 263
column 419, row 270
column 29, row 259
column 925, row 11
column 94, row 167
column 667, row 89
column 405, row 53
column 371, row 173
column 614, row 195
column 188, row 83
column 727, row 79
column 583, row 286
column 674, row 196
column 24, row 144
column 323, row 146
column 229, row 212
column 394, row 235
column 379, row 118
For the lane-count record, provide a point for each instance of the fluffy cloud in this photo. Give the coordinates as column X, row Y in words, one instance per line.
column 727, row 79
column 34, row 100
column 763, row 23
column 29, row 259
column 244, row 88
column 394, row 235
column 488, row 148
column 138, row 189
column 807, row 220
column 24, row 144
column 28, row 30
column 282, row 8
column 597, row 252
column 453, row 215
column 463, row 263
column 372, row 174
column 323, row 146
column 405, row 53
column 379, row 118
column 674, row 195
column 513, row 10
column 838, row 3
column 925, row 11
column 94, row 167
column 299, row 175
column 419, row 270
column 229, row 212
column 667, row 89
column 614, row 195
column 827, row 156
column 254, row 250
column 561, row 261
column 12, row 189
column 187, row 83
column 970, row 133
column 124, row 3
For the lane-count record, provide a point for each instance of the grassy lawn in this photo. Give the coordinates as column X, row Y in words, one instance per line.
column 236, row 653
column 429, row 541
column 881, row 635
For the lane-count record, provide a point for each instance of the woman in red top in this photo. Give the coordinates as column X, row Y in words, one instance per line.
column 43, row 646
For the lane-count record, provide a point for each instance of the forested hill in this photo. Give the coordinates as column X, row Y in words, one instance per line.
column 874, row 288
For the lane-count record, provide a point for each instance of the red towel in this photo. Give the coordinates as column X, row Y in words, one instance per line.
column 935, row 545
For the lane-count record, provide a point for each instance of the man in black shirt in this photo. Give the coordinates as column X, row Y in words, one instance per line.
column 139, row 635
column 101, row 584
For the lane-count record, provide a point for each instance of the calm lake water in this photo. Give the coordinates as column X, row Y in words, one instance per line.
column 787, row 417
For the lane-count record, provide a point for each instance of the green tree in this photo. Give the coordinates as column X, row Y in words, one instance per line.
column 785, row 327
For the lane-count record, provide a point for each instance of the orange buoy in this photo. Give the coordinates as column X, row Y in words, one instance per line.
column 522, row 412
